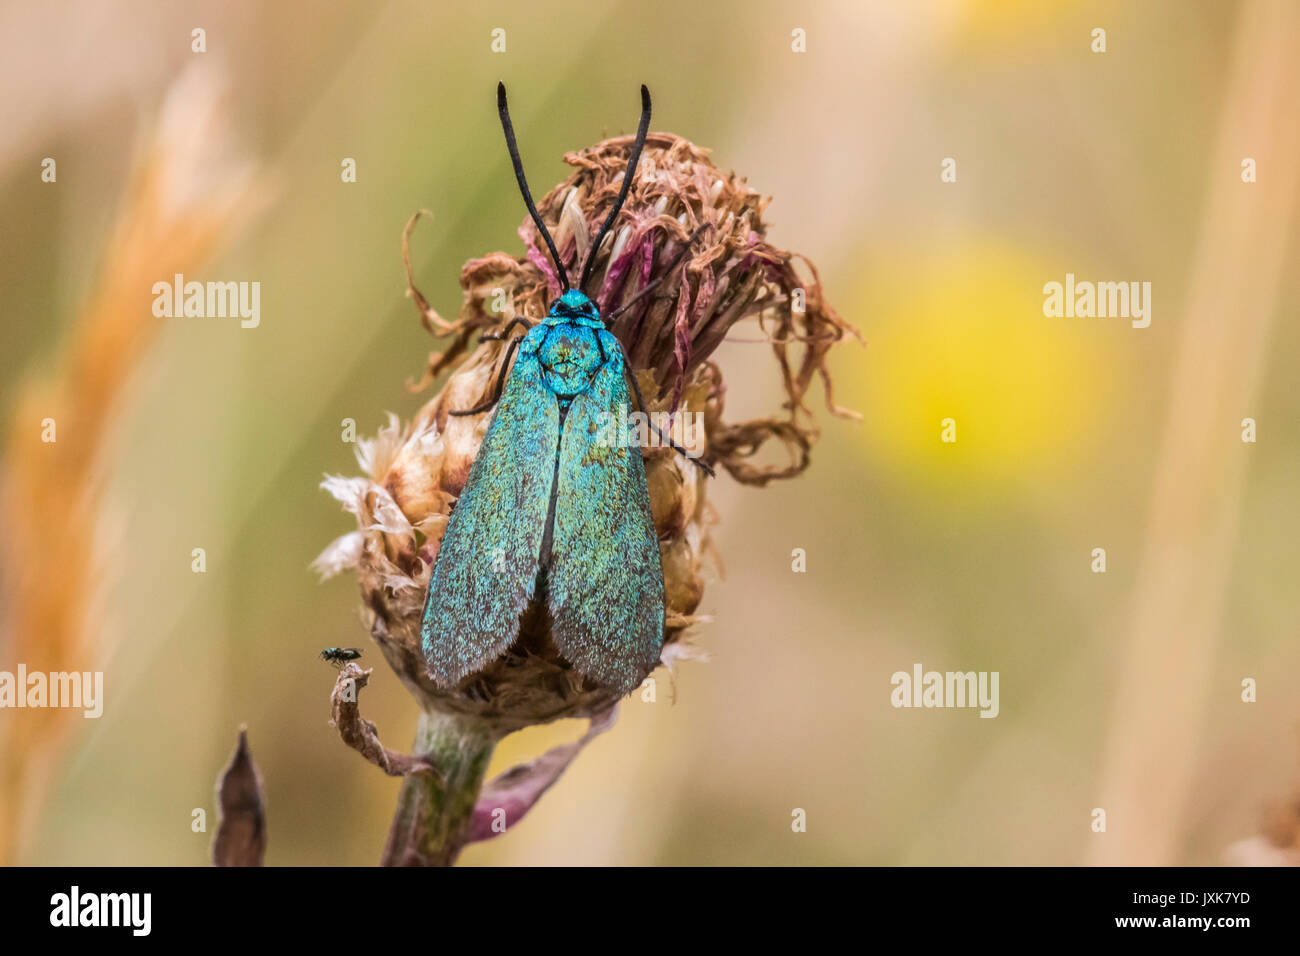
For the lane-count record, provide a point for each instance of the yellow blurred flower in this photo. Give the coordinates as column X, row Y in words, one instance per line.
column 958, row 347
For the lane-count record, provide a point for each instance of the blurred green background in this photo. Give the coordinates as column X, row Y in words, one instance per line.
column 973, row 556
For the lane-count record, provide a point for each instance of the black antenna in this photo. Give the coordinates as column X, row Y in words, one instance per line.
column 523, row 183
column 627, row 184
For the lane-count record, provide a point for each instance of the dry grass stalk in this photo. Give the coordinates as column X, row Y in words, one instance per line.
column 187, row 195
column 1165, row 672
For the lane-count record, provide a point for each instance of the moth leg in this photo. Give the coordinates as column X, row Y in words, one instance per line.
column 500, row 334
column 654, row 285
column 640, row 400
column 501, row 382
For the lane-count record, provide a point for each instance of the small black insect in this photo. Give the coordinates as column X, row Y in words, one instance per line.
column 338, row 656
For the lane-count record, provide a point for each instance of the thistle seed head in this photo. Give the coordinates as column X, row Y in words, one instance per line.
column 729, row 273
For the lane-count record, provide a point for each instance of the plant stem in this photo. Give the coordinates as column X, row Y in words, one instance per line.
column 433, row 815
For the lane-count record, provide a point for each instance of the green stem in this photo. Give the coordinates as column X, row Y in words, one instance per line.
column 433, row 816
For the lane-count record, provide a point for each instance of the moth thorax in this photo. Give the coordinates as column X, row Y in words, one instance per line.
column 570, row 355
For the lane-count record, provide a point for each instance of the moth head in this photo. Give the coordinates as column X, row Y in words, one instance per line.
column 574, row 305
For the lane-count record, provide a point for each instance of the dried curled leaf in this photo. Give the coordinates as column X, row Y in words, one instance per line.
column 361, row 735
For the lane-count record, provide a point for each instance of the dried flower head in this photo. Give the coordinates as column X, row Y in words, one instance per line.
column 414, row 473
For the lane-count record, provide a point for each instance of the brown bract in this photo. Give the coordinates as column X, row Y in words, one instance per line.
column 731, row 273
column 241, row 832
